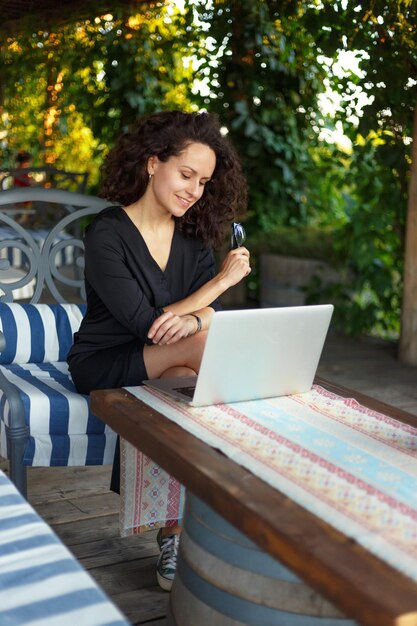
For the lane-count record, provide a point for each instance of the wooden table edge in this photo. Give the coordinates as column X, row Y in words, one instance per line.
column 360, row 584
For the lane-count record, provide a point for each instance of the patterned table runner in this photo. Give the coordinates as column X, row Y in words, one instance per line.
column 351, row 466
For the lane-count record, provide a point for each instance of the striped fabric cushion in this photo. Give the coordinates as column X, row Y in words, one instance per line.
column 63, row 431
column 38, row 333
column 41, row 583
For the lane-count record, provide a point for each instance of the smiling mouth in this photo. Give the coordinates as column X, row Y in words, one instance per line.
column 185, row 203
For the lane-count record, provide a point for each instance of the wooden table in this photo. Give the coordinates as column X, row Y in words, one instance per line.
column 361, row 585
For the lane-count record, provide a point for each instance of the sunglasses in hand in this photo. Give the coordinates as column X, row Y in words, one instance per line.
column 238, row 235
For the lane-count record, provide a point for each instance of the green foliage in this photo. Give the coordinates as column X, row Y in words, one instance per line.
column 266, row 87
column 69, row 92
column 377, row 171
column 373, row 240
column 261, row 65
column 266, row 77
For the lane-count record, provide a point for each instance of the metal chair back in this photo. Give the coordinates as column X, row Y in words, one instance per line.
column 44, row 264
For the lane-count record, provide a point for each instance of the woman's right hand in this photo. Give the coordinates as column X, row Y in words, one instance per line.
column 235, row 266
column 169, row 328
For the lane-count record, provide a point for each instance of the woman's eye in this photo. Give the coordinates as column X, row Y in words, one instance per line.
column 185, row 176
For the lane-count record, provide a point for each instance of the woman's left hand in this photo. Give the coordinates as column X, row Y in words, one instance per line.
column 169, row 328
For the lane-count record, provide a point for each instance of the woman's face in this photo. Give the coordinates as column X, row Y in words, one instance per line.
column 178, row 183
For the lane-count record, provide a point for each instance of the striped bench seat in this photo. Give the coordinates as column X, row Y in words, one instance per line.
column 41, row 583
column 43, row 420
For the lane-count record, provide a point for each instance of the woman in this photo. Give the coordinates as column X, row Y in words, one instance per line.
column 150, row 278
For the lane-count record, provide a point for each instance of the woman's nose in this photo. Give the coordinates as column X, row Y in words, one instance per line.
column 193, row 187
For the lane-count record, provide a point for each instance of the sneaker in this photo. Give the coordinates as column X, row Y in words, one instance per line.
column 167, row 562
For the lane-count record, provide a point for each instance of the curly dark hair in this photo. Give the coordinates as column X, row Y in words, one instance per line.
column 166, row 134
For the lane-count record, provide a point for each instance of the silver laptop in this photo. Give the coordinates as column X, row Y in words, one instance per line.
column 255, row 353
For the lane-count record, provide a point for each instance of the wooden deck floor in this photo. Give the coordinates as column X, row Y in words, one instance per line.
column 78, row 505
column 370, row 366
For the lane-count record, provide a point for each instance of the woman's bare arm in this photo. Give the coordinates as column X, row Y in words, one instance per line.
column 234, row 268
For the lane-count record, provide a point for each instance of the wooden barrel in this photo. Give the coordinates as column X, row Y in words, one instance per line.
column 223, row 579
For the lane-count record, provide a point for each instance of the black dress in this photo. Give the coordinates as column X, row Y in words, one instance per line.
column 126, row 291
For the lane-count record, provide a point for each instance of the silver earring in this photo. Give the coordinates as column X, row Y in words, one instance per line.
column 150, row 177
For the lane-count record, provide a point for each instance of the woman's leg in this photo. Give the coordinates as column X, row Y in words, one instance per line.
column 186, row 353
column 180, row 359
column 178, row 372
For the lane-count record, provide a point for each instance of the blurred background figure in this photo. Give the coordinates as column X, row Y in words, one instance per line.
column 23, row 178
column 23, row 161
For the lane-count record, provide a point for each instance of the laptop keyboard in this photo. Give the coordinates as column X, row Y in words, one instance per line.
column 186, row 391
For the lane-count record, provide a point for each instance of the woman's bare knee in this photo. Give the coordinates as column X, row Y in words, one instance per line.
column 187, row 353
column 178, row 371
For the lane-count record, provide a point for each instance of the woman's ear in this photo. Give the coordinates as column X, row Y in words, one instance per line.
column 152, row 163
